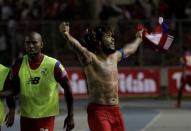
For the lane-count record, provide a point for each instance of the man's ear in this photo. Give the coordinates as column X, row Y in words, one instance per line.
column 99, row 43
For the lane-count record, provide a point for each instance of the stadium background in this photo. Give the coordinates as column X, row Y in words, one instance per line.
column 20, row 16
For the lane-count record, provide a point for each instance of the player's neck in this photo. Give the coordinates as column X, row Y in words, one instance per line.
column 36, row 59
column 102, row 55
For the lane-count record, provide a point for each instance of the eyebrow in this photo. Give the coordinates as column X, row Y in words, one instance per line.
column 108, row 34
column 32, row 41
column 66, row 23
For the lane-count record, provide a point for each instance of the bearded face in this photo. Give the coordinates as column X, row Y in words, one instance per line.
column 108, row 45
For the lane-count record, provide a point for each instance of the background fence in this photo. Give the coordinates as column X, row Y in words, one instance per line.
column 12, row 41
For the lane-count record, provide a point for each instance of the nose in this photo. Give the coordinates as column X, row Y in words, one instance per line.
column 30, row 44
column 113, row 39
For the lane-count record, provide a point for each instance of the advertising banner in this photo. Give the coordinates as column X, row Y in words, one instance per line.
column 174, row 79
column 132, row 81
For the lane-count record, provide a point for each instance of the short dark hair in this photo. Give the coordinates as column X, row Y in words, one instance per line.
column 31, row 34
column 94, row 35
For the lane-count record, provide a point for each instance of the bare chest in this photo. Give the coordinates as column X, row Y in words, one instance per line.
column 106, row 69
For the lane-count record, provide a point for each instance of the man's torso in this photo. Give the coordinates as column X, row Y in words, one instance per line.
column 102, row 79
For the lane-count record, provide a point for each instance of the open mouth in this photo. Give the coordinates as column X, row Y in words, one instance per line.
column 113, row 45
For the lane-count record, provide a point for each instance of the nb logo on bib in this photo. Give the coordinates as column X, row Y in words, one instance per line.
column 33, row 80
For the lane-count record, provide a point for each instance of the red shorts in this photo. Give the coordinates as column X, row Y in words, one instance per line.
column 186, row 79
column 37, row 124
column 104, row 118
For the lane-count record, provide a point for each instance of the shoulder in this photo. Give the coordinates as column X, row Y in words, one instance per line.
column 16, row 66
column 18, row 61
column 51, row 58
column 3, row 67
column 51, row 61
column 56, row 63
column 4, row 70
column 119, row 54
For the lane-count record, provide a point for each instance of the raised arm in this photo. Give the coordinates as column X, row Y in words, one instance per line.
column 83, row 54
column 130, row 48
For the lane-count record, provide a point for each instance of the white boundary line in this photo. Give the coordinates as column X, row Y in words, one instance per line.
column 152, row 122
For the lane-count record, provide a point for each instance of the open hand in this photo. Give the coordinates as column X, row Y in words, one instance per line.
column 9, row 119
column 69, row 123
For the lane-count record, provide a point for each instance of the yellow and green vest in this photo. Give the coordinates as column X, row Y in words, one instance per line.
column 3, row 75
column 38, row 89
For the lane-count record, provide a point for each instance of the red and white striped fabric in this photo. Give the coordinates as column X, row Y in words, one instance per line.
column 159, row 38
column 161, row 41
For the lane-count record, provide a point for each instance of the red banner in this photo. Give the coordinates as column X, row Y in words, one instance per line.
column 174, row 77
column 132, row 81
column 139, row 81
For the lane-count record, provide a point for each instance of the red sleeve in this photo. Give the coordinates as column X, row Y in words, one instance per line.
column 59, row 74
column 15, row 81
column 15, row 68
column 7, row 82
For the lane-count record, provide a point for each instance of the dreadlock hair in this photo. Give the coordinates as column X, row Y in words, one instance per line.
column 94, row 36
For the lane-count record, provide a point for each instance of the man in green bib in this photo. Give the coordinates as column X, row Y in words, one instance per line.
column 36, row 78
column 4, row 83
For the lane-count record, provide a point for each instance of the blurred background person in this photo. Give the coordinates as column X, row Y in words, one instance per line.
column 186, row 74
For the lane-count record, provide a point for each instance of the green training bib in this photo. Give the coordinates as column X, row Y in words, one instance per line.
column 3, row 75
column 38, row 89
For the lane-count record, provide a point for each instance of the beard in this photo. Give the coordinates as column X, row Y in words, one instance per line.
column 107, row 50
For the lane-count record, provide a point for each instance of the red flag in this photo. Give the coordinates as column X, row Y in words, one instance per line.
column 159, row 38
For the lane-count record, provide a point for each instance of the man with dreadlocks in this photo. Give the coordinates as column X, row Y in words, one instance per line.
column 99, row 60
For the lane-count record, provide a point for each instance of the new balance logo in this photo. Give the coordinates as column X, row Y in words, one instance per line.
column 33, row 80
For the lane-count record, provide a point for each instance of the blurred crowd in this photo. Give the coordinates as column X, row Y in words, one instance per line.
column 19, row 16
column 59, row 9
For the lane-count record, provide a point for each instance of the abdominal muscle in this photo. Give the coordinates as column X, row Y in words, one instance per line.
column 102, row 80
column 105, row 93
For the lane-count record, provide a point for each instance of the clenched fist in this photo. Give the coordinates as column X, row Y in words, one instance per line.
column 64, row 28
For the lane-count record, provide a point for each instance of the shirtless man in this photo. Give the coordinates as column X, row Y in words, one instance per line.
column 99, row 60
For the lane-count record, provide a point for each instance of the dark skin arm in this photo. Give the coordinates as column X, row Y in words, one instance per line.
column 8, row 93
column 10, row 116
column 69, row 121
column 82, row 53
